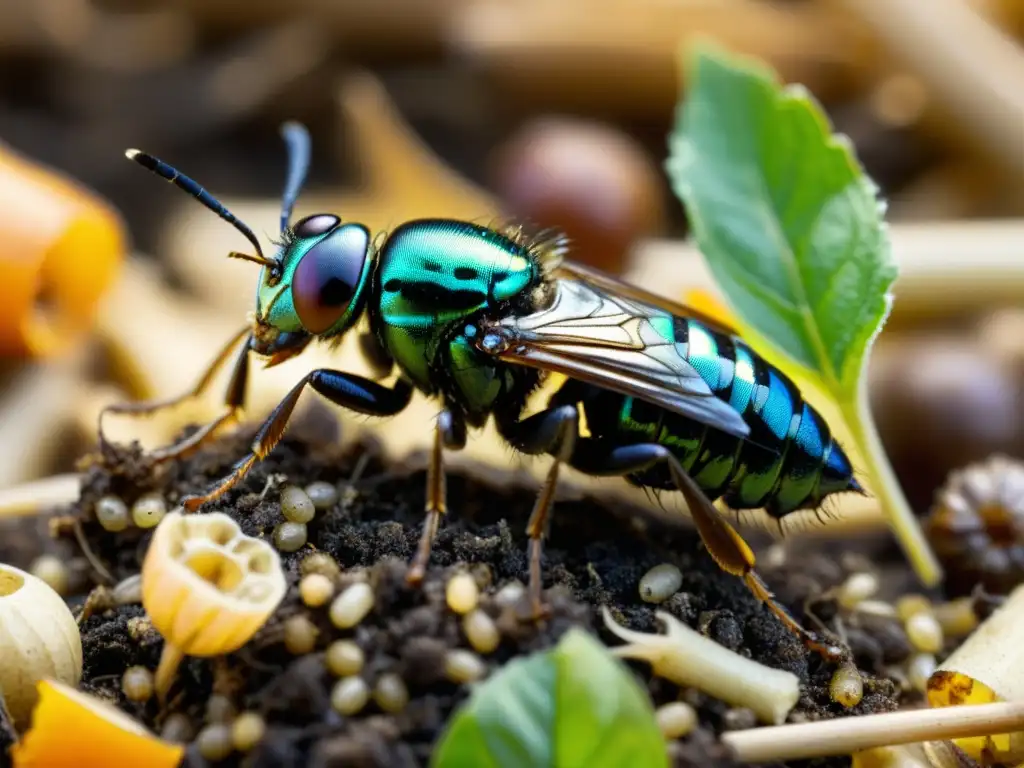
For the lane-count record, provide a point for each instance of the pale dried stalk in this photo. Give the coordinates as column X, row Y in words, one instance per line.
column 34, row 497
column 32, row 412
column 688, row 658
column 970, row 67
column 564, row 52
column 846, row 735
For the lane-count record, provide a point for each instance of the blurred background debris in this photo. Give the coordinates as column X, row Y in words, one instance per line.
column 554, row 113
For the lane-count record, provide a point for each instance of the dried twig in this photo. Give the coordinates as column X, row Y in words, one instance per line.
column 566, row 53
column 34, row 497
column 969, row 66
column 843, row 736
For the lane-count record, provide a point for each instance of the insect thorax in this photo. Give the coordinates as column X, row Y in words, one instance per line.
column 434, row 278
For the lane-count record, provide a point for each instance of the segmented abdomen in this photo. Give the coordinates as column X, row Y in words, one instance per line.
column 788, row 462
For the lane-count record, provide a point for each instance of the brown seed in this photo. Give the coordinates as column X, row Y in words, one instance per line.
column 344, row 658
column 351, row 606
column 462, row 593
column 214, row 742
column 974, row 526
column 847, row 687
column 390, row 693
column 462, row 666
column 590, row 181
column 676, row 719
column 941, row 401
column 137, row 684
column 481, row 631
column 299, row 635
column 247, row 731
column 316, row 590
column 349, row 695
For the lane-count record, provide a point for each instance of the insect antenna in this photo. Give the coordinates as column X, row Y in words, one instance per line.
column 180, row 180
column 296, row 139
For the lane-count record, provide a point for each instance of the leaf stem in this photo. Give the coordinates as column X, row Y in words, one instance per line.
column 856, row 412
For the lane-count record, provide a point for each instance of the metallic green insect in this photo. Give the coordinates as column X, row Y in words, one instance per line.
column 476, row 317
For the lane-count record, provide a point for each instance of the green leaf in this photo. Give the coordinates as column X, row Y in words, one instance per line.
column 791, row 227
column 793, row 232
column 574, row 705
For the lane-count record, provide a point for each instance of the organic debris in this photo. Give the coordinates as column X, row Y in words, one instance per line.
column 378, row 684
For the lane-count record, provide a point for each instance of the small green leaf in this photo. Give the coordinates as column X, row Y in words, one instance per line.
column 574, row 705
column 605, row 717
column 791, row 227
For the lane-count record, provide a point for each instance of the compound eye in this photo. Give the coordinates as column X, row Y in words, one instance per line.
column 316, row 225
column 327, row 276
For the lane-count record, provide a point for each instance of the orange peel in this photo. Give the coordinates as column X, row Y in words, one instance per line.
column 73, row 728
column 207, row 588
column 60, row 249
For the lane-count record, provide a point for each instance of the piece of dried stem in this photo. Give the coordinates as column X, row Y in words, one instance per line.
column 31, row 498
column 847, row 735
column 987, row 667
column 688, row 658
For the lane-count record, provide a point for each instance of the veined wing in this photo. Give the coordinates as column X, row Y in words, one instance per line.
column 613, row 342
column 604, row 282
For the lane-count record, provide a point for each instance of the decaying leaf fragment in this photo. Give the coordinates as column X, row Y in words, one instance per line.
column 988, row 667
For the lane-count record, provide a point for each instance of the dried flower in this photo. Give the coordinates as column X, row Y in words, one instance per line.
column 207, row 587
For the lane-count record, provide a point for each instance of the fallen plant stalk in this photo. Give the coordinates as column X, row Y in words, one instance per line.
column 688, row 658
column 31, row 498
column 846, row 735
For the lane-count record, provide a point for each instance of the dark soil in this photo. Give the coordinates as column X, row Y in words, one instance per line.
column 595, row 556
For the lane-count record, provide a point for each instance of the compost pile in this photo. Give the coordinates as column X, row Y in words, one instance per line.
column 595, row 556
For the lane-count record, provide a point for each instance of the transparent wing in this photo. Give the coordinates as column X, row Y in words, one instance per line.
column 608, row 284
column 611, row 341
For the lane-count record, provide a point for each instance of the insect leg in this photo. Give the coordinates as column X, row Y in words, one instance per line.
column 551, row 431
column 724, row 543
column 234, row 399
column 345, row 389
column 449, row 432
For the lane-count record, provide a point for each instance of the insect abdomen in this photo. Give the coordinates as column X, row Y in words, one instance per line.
column 788, row 462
